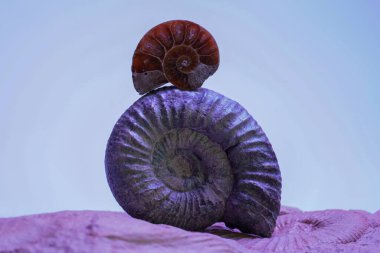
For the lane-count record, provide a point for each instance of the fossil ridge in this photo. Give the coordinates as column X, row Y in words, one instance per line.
column 192, row 158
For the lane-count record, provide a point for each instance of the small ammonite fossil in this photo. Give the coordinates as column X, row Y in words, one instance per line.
column 192, row 158
column 308, row 230
column 180, row 52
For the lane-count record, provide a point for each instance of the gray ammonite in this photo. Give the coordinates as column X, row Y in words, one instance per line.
column 192, row 158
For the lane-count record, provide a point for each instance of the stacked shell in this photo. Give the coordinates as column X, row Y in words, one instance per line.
column 187, row 156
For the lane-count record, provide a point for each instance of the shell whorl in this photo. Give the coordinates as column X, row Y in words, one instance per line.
column 309, row 230
column 192, row 158
column 179, row 51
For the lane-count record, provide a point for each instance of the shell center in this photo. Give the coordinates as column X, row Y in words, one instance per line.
column 180, row 60
column 182, row 171
column 183, row 62
column 185, row 160
column 182, row 166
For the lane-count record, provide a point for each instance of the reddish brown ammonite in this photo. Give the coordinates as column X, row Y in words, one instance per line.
column 179, row 51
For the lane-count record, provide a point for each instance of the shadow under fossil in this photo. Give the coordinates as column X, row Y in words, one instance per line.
column 221, row 230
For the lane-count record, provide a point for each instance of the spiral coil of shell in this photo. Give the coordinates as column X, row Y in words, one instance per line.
column 179, row 51
column 312, row 229
column 192, row 158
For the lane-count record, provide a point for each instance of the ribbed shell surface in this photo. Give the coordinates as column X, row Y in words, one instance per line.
column 192, row 158
column 179, row 51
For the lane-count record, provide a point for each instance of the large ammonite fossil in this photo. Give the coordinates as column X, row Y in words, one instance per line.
column 192, row 158
column 180, row 52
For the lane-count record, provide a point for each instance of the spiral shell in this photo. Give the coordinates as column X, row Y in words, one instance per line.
column 180, row 52
column 192, row 158
column 311, row 230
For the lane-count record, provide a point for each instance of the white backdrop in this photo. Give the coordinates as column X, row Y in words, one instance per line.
column 307, row 72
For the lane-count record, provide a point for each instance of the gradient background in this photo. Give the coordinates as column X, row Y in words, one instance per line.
column 309, row 73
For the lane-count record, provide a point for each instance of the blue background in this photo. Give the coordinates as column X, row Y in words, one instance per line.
column 309, row 73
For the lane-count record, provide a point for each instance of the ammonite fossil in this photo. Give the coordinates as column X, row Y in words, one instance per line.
column 312, row 230
column 180, row 52
column 192, row 158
